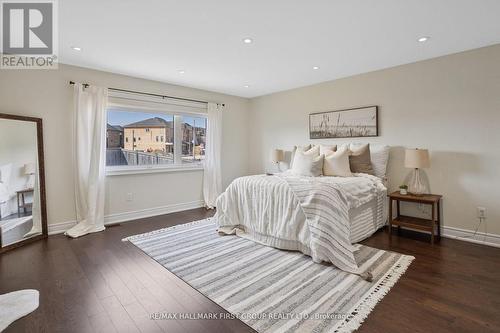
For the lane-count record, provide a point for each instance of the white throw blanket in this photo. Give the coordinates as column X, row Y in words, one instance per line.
column 307, row 214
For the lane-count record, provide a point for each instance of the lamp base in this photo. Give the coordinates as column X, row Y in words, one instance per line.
column 31, row 181
column 278, row 166
column 416, row 187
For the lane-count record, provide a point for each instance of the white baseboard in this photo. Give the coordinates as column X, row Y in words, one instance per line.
column 58, row 228
column 468, row 236
column 448, row 232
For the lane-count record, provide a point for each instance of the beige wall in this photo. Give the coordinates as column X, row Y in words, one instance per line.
column 450, row 105
column 47, row 94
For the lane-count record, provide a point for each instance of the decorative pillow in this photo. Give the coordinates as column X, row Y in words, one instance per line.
column 307, row 164
column 327, row 149
column 5, row 171
column 360, row 160
column 337, row 163
column 309, row 149
column 379, row 158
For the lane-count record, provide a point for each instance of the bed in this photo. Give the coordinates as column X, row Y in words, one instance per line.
column 319, row 216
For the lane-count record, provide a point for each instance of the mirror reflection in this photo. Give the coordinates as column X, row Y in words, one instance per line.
column 20, row 216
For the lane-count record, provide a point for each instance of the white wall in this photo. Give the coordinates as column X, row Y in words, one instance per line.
column 450, row 105
column 48, row 95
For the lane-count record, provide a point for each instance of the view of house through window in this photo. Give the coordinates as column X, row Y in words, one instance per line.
column 135, row 138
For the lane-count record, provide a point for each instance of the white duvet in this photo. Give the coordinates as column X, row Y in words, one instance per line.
column 273, row 210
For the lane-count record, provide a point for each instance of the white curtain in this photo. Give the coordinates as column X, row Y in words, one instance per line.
column 212, row 182
column 89, row 158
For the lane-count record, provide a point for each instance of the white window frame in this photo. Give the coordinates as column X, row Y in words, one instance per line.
column 155, row 104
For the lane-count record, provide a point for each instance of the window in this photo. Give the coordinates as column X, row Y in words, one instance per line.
column 193, row 139
column 155, row 139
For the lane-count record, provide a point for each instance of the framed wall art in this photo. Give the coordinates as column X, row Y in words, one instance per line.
column 348, row 123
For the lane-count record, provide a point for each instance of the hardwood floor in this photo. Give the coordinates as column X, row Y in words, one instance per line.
column 100, row 284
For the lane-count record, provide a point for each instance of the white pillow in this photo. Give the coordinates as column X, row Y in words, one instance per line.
column 379, row 158
column 5, row 171
column 314, row 150
column 337, row 163
column 327, row 149
column 301, row 148
column 307, row 164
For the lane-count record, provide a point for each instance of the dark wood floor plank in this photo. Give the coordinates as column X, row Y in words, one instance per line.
column 98, row 283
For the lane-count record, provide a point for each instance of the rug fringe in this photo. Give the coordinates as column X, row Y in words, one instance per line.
column 375, row 295
column 154, row 232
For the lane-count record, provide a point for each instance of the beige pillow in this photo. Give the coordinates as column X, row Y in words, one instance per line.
column 360, row 160
column 306, row 164
column 327, row 149
column 337, row 163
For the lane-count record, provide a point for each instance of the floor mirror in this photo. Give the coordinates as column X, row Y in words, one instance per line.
column 23, row 213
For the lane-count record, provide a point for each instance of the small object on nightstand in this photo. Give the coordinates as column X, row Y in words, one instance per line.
column 413, row 222
column 403, row 189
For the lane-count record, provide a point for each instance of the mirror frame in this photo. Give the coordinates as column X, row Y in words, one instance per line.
column 41, row 177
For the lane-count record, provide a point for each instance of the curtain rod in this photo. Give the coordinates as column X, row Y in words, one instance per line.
column 86, row 85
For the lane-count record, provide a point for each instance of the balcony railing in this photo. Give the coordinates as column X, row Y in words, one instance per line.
column 120, row 156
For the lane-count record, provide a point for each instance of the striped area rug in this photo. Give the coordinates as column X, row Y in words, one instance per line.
column 269, row 289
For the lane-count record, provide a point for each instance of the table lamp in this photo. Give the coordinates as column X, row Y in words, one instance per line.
column 417, row 159
column 29, row 170
column 277, row 156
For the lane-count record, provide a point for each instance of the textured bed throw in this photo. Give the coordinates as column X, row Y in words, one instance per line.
column 270, row 289
column 17, row 304
column 259, row 208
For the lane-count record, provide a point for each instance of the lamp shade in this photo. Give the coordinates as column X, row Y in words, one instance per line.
column 29, row 168
column 417, row 158
column 277, row 155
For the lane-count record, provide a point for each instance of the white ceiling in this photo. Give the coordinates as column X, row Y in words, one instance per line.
column 155, row 39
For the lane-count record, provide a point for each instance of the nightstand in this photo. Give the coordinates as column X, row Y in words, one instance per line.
column 414, row 222
column 21, row 201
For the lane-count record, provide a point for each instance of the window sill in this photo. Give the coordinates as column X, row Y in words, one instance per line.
column 120, row 171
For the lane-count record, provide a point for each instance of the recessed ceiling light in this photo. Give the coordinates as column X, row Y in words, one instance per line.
column 423, row 39
column 247, row 40
column 315, row 67
column 181, row 71
column 76, row 48
column 246, row 86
